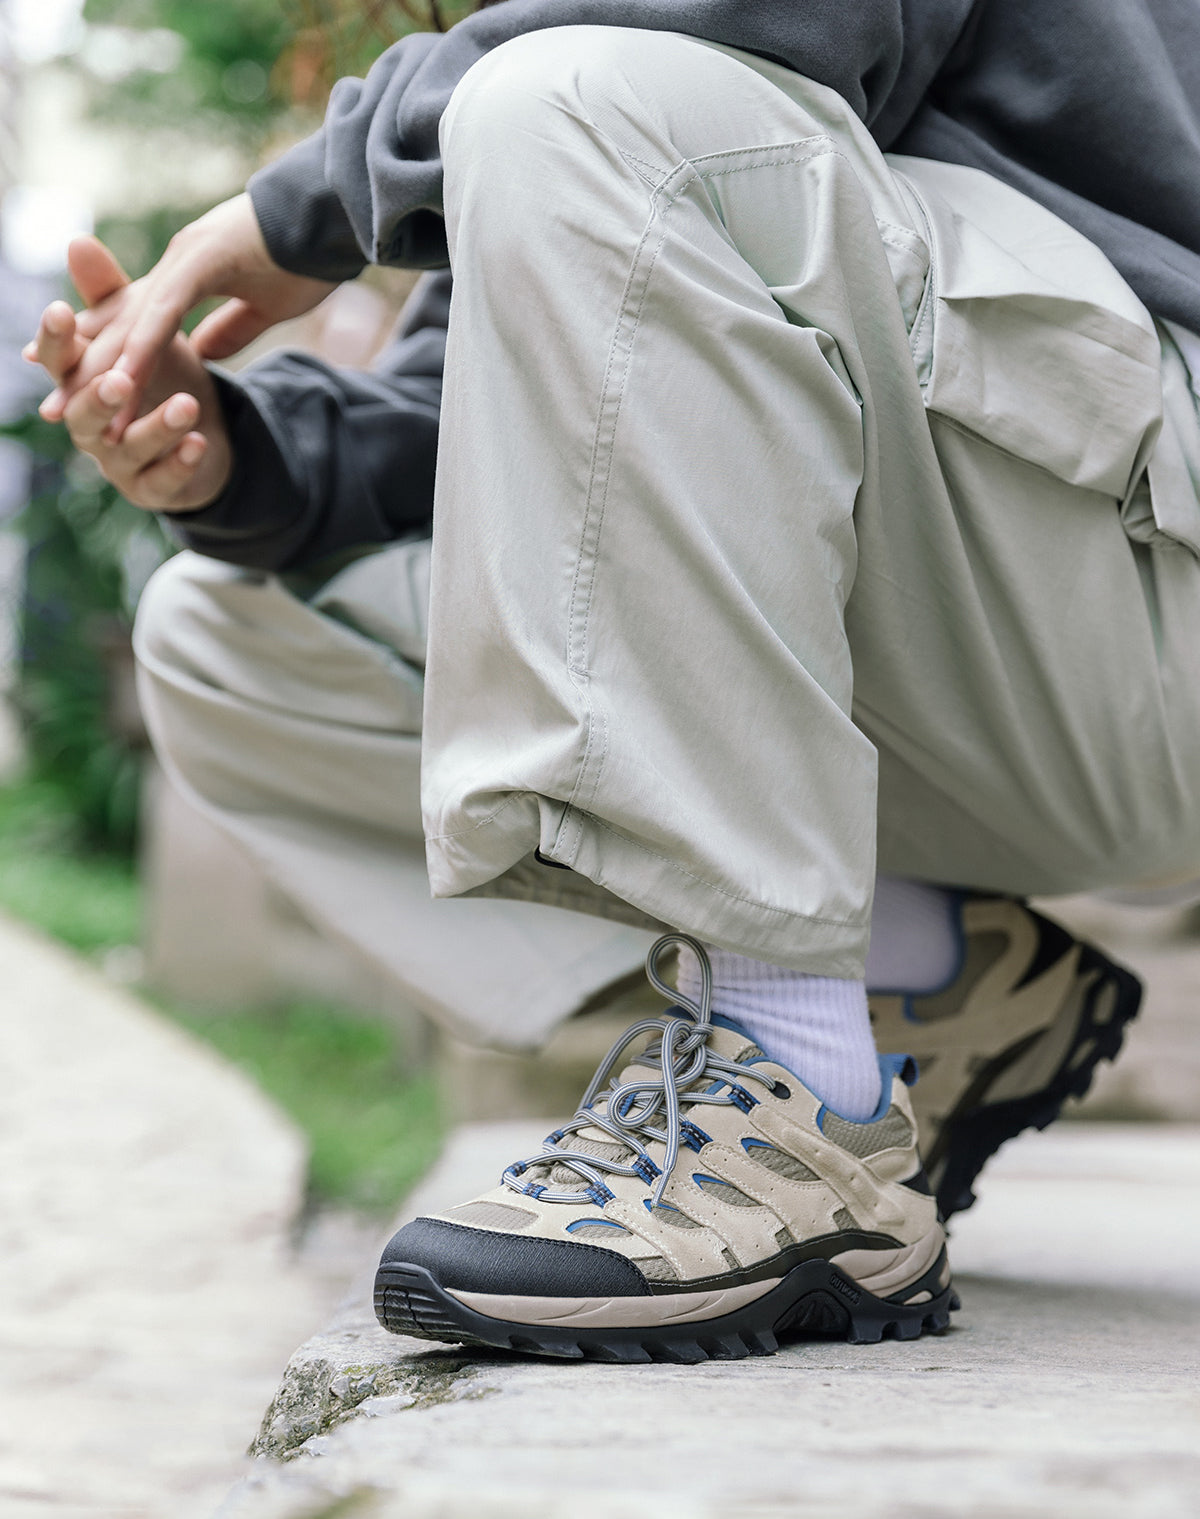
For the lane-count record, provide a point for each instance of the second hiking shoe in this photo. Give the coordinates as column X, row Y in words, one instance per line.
column 1028, row 1016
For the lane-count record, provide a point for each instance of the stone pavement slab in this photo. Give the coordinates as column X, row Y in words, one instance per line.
column 149, row 1293
column 1067, row 1389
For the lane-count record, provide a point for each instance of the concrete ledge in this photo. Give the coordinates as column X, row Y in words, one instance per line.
column 1067, row 1387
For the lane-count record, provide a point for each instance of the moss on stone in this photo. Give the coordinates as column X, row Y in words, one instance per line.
column 321, row 1391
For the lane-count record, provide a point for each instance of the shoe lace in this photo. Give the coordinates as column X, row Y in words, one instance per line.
column 647, row 1108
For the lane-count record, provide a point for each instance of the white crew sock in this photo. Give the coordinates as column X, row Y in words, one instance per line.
column 916, row 942
column 817, row 1026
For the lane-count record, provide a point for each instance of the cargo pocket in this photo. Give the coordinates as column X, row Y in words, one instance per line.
column 1028, row 338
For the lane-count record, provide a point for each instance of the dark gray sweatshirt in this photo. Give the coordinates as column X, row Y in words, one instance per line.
column 1091, row 107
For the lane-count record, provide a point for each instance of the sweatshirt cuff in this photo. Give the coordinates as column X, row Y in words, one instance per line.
column 304, row 224
column 255, row 518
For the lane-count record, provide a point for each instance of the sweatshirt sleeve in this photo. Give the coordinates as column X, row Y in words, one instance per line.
column 328, row 459
column 366, row 188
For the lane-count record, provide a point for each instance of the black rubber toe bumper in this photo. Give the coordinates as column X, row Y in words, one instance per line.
column 478, row 1260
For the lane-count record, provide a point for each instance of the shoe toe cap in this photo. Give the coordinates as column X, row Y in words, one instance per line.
column 483, row 1260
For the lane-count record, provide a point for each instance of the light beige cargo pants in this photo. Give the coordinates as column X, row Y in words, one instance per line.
column 792, row 502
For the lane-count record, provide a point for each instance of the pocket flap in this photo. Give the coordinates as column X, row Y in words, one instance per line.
column 1030, row 338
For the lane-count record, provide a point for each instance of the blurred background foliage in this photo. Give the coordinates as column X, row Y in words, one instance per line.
column 256, row 72
column 252, row 75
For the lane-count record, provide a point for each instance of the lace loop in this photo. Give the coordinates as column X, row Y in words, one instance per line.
column 633, row 1110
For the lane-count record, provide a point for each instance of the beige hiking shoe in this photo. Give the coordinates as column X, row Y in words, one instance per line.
column 1022, row 1026
column 702, row 1204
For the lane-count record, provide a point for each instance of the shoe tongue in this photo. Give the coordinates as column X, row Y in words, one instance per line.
column 583, row 1143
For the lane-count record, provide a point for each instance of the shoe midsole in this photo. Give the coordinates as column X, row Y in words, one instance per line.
column 883, row 1272
column 616, row 1312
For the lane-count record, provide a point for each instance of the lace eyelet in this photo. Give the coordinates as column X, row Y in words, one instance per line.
column 781, row 1090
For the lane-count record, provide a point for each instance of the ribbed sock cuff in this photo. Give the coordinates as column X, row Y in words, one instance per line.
column 816, row 1026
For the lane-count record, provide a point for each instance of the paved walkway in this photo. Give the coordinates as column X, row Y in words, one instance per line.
column 149, row 1292
column 1067, row 1390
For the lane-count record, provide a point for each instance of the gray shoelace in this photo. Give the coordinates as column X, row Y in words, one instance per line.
column 648, row 1108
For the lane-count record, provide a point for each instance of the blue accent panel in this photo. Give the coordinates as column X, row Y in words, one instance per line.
column 756, row 1144
column 903, row 1066
column 890, row 1066
column 742, row 1099
column 693, row 1135
column 591, row 1223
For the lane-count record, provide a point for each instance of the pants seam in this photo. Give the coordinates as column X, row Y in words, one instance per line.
column 620, row 353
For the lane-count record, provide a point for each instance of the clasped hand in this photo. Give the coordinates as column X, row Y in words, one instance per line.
column 133, row 393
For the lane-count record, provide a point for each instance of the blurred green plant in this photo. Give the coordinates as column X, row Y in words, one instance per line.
column 373, row 1127
column 50, row 878
column 236, row 65
column 88, row 555
column 212, row 71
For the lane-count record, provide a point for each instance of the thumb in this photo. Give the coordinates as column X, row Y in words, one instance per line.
column 94, row 271
column 228, row 330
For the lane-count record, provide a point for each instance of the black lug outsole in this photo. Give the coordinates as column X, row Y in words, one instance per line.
column 975, row 1137
column 813, row 1301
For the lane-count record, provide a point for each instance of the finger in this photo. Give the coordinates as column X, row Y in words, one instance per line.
column 161, row 484
column 94, row 270
column 155, row 324
column 89, row 412
column 228, row 330
column 57, row 343
column 152, row 437
column 95, row 319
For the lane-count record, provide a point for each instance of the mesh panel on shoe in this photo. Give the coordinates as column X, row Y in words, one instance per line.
column 492, row 1215
column 655, row 1269
column 784, row 1238
column 893, row 1130
column 844, row 1219
column 782, row 1163
column 726, row 1192
column 731, row 1260
column 601, row 1232
column 674, row 1217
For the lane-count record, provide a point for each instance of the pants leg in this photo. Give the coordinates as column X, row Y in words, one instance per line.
column 647, row 477
column 295, row 725
column 705, row 544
